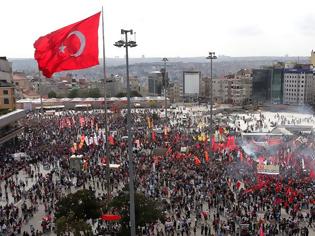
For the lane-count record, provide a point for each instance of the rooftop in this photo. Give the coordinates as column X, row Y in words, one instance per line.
column 11, row 117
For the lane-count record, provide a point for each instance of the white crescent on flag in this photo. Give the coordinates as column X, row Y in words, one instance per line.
column 82, row 39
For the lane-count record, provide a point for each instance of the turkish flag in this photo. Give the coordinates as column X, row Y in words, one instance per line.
column 72, row 47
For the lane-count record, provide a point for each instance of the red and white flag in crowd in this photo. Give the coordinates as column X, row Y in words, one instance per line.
column 239, row 184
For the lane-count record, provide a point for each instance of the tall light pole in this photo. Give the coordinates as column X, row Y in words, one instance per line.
column 126, row 44
column 211, row 57
column 165, row 86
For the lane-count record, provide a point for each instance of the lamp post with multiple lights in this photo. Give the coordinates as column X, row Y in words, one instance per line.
column 165, row 87
column 125, row 43
column 211, row 57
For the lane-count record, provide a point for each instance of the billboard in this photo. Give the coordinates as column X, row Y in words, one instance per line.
column 191, row 82
column 268, row 169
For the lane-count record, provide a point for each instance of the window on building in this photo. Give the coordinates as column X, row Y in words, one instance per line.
column 6, row 101
column 5, row 92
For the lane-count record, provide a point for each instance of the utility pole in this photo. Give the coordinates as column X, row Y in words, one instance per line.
column 211, row 57
column 126, row 44
column 165, row 87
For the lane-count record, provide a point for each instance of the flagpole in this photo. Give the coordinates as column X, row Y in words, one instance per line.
column 40, row 91
column 107, row 154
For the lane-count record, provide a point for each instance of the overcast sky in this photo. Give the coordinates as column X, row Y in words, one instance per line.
column 170, row 28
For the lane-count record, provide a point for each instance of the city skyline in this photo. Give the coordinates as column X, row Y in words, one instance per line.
column 170, row 28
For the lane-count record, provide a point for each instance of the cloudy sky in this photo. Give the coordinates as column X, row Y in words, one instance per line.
column 170, row 28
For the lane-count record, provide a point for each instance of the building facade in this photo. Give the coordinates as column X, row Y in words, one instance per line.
column 7, row 96
column 261, row 86
column 312, row 59
column 299, row 86
column 234, row 89
column 5, row 70
column 155, row 83
column 277, row 78
column 7, row 92
column 221, row 88
column 175, row 92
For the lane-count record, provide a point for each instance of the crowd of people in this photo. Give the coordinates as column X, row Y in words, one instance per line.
column 206, row 187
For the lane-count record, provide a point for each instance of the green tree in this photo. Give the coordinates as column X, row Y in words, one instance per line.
column 152, row 104
column 73, row 93
column 121, row 94
column 70, row 224
column 74, row 210
column 52, row 94
column 83, row 93
column 135, row 93
column 147, row 210
column 155, row 116
column 94, row 93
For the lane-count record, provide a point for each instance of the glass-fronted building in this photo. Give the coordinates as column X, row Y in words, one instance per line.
column 277, row 85
column 261, row 86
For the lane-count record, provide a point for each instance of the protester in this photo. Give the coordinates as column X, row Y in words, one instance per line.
column 202, row 194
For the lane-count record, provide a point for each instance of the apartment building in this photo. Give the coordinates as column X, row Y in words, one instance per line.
column 299, row 85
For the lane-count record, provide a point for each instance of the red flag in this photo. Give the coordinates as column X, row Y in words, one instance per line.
column 241, row 156
column 206, row 156
column 312, row 174
column 153, row 136
column 72, row 47
column 238, row 184
column 278, row 187
column 221, row 130
column 277, row 201
column 274, row 141
column 111, row 140
column 109, row 217
column 197, row 161
column 261, row 231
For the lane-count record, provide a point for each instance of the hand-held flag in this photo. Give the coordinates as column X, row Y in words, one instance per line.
column 72, row 47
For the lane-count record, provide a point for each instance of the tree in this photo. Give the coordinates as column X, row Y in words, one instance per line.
column 155, row 116
column 52, row 94
column 121, row 94
column 152, row 104
column 147, row 210
column 135, row 93
column 94, row 93
column 83, row 93
column 74, row 210
column 70, row 224
column 73, row 93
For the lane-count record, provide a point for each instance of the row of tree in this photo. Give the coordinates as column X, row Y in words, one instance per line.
column 74, row 211
column 89, row 93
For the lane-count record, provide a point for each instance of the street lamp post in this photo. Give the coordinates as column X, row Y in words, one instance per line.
column 211, row 57
column 126, row 44
column 165, row 86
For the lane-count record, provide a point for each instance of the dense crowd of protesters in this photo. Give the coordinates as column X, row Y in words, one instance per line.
column 219, row 194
